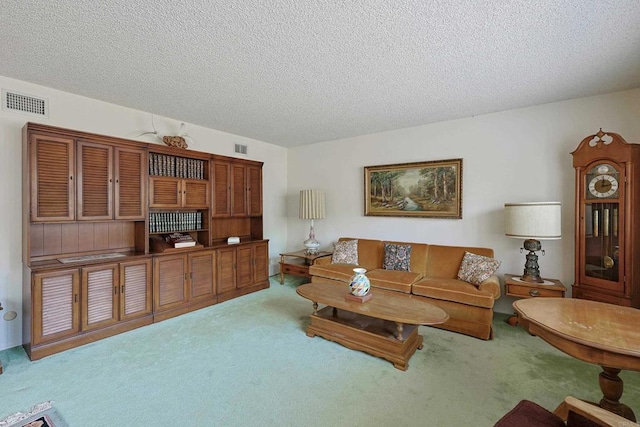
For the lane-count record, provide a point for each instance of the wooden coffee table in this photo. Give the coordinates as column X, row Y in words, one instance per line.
column 385, row 326
column 594, row 332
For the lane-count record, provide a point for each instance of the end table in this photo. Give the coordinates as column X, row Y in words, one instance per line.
column 301, row 267
column 514, row 287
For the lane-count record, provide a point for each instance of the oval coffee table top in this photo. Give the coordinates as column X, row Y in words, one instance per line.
column 596, row 325
column 386, row 305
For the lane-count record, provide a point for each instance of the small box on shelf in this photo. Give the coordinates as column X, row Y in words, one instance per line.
column 180, row 240
column 158, row 244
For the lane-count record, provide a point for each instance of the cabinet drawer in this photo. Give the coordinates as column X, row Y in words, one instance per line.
column 296, row 269
column 524, row 291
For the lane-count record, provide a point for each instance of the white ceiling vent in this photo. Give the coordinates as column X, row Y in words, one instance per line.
column 27, row 104
column 241, row 149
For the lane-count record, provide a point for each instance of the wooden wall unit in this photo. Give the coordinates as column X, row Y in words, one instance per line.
column 95, row 211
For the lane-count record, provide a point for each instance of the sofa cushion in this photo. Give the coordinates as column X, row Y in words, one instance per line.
column 394, row 280
column 453, row 290
column 419, row 253
column 444, row 261
column 341, row 272
column 345, row 252
column 397, row 257
column 370, row 252
column 475, row 269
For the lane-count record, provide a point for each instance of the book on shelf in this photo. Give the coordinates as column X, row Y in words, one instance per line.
column 180, row 240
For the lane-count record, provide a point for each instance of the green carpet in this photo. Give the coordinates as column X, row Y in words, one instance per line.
column 248, row 362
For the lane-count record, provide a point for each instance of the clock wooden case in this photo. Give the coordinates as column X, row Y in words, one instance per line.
column 607, row 258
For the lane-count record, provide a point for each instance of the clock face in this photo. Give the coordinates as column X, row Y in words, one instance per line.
column 603, row 186
column 602, row 182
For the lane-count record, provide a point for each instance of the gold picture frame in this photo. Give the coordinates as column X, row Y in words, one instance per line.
column 431, row 189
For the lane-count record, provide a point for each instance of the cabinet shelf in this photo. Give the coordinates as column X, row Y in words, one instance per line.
column 177, row 167
column 163, row 222
column 158, row 245
column 187, row 230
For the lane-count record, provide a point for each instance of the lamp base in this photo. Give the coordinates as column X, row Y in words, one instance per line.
column 531, row 269
column 311, row 243
column 531, row 279
column 312, row 247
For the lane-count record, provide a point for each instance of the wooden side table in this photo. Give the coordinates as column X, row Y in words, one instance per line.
column 299, row 266
column 514, row 287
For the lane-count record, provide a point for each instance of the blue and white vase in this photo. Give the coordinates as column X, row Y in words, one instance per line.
column 360, row 284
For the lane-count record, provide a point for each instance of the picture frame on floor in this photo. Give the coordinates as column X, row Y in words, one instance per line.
column 429, row 189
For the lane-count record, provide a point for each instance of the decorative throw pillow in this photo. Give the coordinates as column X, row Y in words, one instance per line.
column 397, row 257
column 475, row 269
column 345, row 252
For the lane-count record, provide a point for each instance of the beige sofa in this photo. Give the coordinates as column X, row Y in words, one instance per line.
column 433, row 276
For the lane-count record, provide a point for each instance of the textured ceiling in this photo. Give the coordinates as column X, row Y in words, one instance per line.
column 299, row 72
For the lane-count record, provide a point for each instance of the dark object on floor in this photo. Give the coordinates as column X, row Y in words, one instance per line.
column 40, row 415
column 572, row 412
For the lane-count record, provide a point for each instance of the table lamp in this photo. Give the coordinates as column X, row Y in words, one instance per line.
column 311, row 207
column 532, row 221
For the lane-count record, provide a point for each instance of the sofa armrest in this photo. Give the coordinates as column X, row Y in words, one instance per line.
column 323, row 260
column 491, row 285
column 591, row 412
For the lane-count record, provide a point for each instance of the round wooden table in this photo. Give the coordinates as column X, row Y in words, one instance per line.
column 594, row 332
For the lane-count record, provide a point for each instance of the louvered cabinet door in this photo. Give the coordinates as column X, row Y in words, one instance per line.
column 55, row 305
column 195, row 193
column 225, row 270
column 135, row 289
column 221, row 173
column 238, row 190
column 169, row 281
column 165, row 192
column 201, row 274
column 51, row 163
column 254, row 174
column 100, row 300
column 130, row 188
column 95, row 181
column 244, row 273
column 260, row 262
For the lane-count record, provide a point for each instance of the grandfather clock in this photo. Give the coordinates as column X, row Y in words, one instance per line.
column 607, row 259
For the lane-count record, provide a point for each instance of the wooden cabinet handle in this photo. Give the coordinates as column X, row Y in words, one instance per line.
column 534, row 293
column 122, row 289
column 75, row 297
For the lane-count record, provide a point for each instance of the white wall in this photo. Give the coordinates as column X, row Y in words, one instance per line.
column 76, row 112
column 518, row 155
column 512, row 156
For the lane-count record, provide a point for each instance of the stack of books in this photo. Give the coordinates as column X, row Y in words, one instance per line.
column 179, row 240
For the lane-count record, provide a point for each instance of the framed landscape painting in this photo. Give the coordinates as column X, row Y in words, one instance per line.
column 430, row 189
